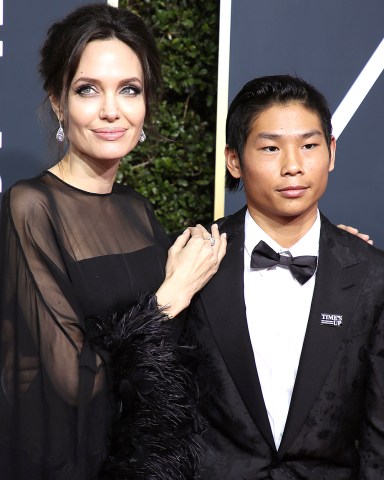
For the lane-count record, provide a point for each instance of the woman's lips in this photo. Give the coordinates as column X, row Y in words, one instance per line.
column 109, row 134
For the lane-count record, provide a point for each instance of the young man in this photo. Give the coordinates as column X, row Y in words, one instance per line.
column 290, row 331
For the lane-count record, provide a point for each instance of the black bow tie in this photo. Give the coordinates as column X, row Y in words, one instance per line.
column 302, row 268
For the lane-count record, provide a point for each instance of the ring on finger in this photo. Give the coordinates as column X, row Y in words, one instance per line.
column 211, row 239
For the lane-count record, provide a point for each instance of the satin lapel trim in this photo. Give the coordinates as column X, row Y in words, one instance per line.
column 223, row 300
column 336, row 291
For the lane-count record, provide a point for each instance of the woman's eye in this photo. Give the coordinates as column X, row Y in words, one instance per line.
column 131, row 90
column 85, row 90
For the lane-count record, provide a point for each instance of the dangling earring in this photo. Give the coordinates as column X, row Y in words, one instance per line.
column 142, row 136
column 60, row 133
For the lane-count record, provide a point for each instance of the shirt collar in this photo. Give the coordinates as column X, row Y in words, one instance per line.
column 307, row 245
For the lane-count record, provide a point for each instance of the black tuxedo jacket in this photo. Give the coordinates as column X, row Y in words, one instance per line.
column 335, row 425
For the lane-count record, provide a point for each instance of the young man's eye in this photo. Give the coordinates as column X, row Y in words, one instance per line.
column 271, row 148
column 309, row 146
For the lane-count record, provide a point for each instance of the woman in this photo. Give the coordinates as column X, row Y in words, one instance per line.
column 86, row 287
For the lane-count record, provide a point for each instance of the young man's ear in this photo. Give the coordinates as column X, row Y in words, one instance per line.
column 332, row 156
column 232, row 162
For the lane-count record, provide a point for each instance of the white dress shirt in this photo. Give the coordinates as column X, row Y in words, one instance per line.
column 277, row 308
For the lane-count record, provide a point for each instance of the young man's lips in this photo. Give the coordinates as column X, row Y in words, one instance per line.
column 292, row 191
column 109, row 133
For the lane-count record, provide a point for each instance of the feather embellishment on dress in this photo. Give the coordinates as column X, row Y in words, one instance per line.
column 153, row 435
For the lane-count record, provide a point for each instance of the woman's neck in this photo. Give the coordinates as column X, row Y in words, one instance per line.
column 90, row 176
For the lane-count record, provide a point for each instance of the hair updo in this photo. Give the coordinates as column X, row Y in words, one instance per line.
column 67, row 39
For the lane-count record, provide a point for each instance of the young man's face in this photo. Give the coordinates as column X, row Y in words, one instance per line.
column 285, row 164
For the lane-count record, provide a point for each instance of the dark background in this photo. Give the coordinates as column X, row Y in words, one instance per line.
column 327, row 43
column 24, row 151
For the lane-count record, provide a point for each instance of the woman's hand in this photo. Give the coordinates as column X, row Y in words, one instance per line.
column 192, row 261
column 355, row 231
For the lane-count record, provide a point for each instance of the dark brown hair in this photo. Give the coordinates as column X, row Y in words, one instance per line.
column 257, row 96
column 67, row 39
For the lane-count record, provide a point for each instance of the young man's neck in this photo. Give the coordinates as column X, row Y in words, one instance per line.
column 286, row 231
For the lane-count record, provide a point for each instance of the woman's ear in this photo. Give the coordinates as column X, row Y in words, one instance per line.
column 55, row 104
column 232, row 162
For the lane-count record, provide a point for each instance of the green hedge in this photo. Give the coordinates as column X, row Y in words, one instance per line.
column 176, row 173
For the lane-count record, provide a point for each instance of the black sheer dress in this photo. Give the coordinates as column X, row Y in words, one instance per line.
column 66, row 256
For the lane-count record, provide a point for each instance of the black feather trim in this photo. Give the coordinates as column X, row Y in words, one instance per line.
column 153, row 435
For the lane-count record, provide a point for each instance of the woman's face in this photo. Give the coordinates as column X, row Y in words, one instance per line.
column 106, row 105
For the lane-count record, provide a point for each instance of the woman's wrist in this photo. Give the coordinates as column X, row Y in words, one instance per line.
column 172, row 300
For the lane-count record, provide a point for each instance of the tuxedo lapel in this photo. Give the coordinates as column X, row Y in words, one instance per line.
column 336, row 289
column 223, row 300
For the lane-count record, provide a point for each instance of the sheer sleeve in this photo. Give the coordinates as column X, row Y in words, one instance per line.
column 49, row 373
column 41, row 319
column 92, row 383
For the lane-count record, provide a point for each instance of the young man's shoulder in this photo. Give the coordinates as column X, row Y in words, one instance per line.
column 232, row 219
column 339, row 238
